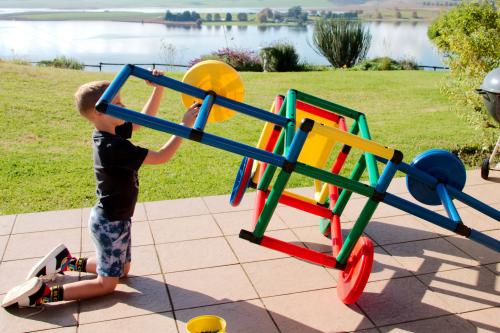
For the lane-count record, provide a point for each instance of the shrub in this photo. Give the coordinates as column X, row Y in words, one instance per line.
column 242, row 17
column 385, row 64
column 229, row 17
column 343, row 43
column 241, row 60
column 279, row 57
column 468, row 36
column 63, row 62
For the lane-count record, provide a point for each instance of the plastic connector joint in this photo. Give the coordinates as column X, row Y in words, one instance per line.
column 247, row 235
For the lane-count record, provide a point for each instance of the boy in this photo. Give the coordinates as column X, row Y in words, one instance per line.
column 116, row 162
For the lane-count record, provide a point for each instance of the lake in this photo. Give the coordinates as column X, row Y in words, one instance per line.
column 119, row 42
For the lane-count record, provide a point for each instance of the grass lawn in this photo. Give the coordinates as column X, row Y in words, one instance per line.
column 45, row 144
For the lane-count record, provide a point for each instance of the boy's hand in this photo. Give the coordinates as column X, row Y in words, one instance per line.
column 190, row 116
column 155, row 72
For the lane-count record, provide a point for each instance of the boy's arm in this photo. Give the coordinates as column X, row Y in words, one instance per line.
column 153, row 104
column 169, row 149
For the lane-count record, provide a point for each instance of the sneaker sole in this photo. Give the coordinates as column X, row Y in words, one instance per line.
column 40, row 268
column 24, row 290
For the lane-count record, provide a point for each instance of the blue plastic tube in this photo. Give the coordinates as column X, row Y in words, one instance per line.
column 448, row 203
column 116, row 85
column 205, row 109
column 185, row 132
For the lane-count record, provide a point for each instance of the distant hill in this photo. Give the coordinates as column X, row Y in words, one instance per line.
column 95, row 4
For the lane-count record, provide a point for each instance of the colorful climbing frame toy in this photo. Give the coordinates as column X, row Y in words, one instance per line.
column 301, row 134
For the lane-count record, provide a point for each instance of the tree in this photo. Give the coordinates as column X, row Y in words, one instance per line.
column 242, row 17
column 294, row 12
column 468, row 35
column 217, row 17
column 208, row 17
column 229, row 17
column 261, row 17
column 342, row 42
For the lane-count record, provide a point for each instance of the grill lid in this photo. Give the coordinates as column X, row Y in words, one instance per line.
column 491, row 82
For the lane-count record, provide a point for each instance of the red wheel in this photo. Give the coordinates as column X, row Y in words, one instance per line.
column 353, row 279
column 241, row 182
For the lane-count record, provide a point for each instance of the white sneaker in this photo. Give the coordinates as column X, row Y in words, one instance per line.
column 24, row 295
column 48, row 267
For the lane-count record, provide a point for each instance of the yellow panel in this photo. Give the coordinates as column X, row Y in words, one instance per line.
column 317, row 147
column 353, row 141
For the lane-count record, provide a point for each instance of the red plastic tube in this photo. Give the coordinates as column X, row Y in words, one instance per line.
column 317, row 111
column 299, row 252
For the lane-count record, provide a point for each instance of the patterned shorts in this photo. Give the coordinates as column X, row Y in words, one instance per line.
column 112, row 241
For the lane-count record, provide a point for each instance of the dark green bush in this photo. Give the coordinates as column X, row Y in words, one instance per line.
column 385, row 64
column 343, row 43
column 279, row 57
column 63, row 62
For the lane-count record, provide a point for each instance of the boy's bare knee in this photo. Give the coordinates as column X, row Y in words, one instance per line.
column 107, row 284
column 126, row 269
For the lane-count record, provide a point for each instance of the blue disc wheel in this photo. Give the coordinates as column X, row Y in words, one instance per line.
column 241, row 182
column 441, row 164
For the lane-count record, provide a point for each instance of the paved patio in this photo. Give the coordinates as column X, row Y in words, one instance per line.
column 188, row 260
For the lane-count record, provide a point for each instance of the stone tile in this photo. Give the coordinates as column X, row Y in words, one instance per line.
column 474, row 178
column 209, row 286
column 168, row 209
column 430, row 255
column 220, row 203
column 495, row 268
column 195, row 254
column 247, row 251
column 488, row 193
column 353, row 209
column 132, row 297
column 14, row 272
column 314, row 239
column 477, row 220
column 184, row 228
column 385, row 267
column 231, row 223
column 32, row 319
column 141, row 235
column 397, row 229
column 479, row 252
column 400, row 300
column 6, row 223
column 398, row 186
column 242, row 317
column 53, row 220
column 144, row 261
column 452, row 323
column 465, row 289
column 288, row 275
column 315, row 311
column 485, row 320
column 163, row 322
column 139, row 213
column 3, row 244
column 295, row 218
column 37, row 244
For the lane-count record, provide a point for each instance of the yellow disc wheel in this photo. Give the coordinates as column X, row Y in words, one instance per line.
column 219, row 77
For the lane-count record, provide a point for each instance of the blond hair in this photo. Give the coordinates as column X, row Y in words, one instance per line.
column 87, row 96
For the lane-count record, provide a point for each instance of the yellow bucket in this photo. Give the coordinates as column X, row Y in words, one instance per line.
column 206, row 324
column 219, row 77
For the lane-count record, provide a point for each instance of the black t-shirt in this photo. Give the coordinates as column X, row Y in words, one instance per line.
column 116, row 162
